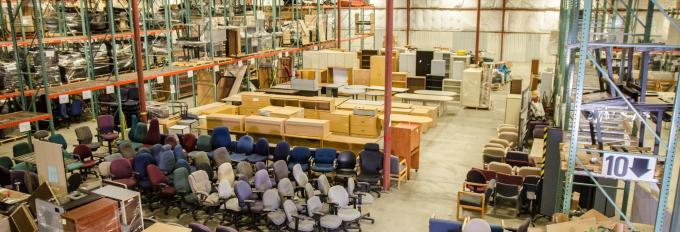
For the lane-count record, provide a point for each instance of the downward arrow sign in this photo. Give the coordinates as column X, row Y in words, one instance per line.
column 639, row 167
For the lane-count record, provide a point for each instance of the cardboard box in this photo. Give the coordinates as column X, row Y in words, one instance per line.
column 364, row 126
column 231, row 121
column 264, row 125
column 309, row 128
column 339, row 120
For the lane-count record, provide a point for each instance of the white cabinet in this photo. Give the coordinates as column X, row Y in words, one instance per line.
column 475, row 91
column 513, row 106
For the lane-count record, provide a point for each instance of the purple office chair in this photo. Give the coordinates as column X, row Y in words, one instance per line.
column 106, row 128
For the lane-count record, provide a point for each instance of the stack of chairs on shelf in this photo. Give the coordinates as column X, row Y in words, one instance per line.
column 245, row 184
column 506, row 176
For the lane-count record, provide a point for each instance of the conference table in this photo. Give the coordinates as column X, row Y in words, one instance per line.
column 440, row 100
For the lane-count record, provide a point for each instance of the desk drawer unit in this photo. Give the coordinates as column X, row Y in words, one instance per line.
column 264, row 125
column 339, row 120
column 364, row 126
column 309, row 128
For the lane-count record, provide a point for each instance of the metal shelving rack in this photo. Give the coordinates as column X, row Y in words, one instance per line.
column 586, row 33
column 27, row 93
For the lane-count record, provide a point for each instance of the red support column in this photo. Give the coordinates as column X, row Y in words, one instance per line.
column 503, row 28
column 479, row 7
column 339, row 22
column 138, row 59
column 387, row 139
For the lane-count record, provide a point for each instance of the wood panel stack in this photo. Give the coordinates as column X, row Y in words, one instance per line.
column 252, row 102
column 307, row 128
column 408, row 147
column 264, row 125
column 102, row 215
column 231, row 121
column 364, row 126
column 339, row 120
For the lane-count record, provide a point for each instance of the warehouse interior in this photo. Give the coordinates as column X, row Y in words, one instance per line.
column 339, row 115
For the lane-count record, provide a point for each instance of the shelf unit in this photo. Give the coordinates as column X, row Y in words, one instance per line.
column 452, row 85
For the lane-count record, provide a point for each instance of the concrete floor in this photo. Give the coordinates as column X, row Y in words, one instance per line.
column 448, row 151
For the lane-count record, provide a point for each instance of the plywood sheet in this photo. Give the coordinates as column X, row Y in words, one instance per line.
column 50, row 164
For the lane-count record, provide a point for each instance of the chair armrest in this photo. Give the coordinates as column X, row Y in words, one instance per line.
column 465, row 184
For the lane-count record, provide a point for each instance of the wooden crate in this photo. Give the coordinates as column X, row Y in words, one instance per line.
column 364, row 126
column 339, row 120
column 282, row 112
column 231, row 121
column 222, row 109
column 249, row 110
column 264, row 125
column 308, row 128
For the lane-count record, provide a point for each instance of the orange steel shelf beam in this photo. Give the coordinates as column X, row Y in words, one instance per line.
column 16, row 118
column 78, row 39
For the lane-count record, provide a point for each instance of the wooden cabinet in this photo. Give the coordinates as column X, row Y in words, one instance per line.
column 399, row 79
column 307, row 128
column 406, row 137
column 364, row 126
column 513, row 105
column 264, row 125
column 339, row 120
column 414, row 83
column 99, row 215
column 452, row 85
column 231, row 121
column 377, row 71
column 129, row 203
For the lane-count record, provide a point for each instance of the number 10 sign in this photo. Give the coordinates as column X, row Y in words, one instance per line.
column 629, row 167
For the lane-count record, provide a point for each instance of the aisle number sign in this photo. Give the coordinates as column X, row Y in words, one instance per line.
column 629, row 167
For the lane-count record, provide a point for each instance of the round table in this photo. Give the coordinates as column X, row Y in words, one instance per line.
column 375, row 94
column 352, row 90
column 436, row 93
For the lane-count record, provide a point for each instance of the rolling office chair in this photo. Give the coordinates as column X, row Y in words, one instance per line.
column 300, row 155
column 84, row 136
column 260, row 152
column 106, row 128
column 346, row 165
column 281, row 152
column 371, row 160
column 243, row 148
column 220, row 138
column 324, row 160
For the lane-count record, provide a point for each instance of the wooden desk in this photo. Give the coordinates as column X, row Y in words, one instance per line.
column 162, row 227
column 440, row 100
column 13, row 197
column 436, row 93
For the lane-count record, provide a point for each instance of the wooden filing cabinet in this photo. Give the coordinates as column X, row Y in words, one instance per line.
column 99, row 215
column 364, row 126
column 407, row 144
column 339, row 120
column 129, row 203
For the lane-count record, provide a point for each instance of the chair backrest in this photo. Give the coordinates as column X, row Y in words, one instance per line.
column 189, row 142
column 443, row 225
column 5, row 177
column 260, row 166
column 84, row 135
column 282, row 151
column 475, row 176
column 477, row 225
column 507, row 190
column 509, row 179
column 105, row 124
column 221, row 155
column 529, row 171
column 120, row 169
column 183, row 164
column 262, row 181
column 125, row 149
column 156, row 176
column 204, row 143
column 325, row 155
column 59, row 139
column 104, row 169
column 243, row 192
column 179, row 153
column 197, row 227
column 180, row 180
column 280, row 170
column 347, row 160
column 300, row 177
column 76, row 107
column 371, row 159
column 139, row 164
column 224, row 189
column 226, row 172
column 262, row 147
column 167, row 161
column 244, row 145
column 323, row 184
column 156, row 151
column 271, row 200
column 394, row 165
column 300, row 155
column 290, row 210
column 309, row 190
column 21, row 148
column 517, row 155
column 245, row 169
column 83, row 152
column 200, row 182
column 314, row 205
column 201, row 157
column 27, row 181
column 6, row 162
column 495, row 151
column 140, row 133
column 153, row 135
column 133, row 93
column 220, row 138
column 171, row 140
column 207, row 168
column 285, row 188
column 508, row 136
column 338, row 195
column 500, row 168
column 487, row 158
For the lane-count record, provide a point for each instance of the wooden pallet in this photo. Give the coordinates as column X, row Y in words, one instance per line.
column 12, row 138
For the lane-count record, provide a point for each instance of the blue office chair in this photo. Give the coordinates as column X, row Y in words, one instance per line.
column 243, row 148
column 220, row 138
column 300, row 155
column 76, row 110
column 324, row 160
column 261, row 151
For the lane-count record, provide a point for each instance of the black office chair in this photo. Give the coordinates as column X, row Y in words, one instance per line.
column 74, row 182
column 371, row 166
column 346, row 166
